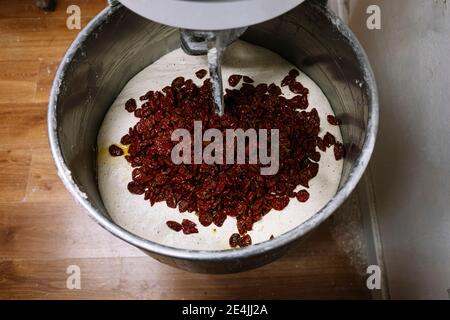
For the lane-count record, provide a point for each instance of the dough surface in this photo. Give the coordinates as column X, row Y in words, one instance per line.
column 136, row 215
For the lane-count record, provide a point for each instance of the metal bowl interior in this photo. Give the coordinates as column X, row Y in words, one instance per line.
column 117, row 44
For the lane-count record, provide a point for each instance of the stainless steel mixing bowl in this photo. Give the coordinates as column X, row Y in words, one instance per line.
column 117, row 44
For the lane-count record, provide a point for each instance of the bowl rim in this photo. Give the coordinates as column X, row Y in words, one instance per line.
column 285, row 239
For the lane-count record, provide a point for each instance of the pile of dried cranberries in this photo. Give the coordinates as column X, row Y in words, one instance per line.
column 215, row 192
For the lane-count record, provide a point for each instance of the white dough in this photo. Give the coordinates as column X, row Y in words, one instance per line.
column 135, row 214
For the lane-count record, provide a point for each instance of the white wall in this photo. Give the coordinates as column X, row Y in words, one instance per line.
column 411, row 165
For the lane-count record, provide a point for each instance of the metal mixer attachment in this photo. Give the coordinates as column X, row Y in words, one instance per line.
column 213, row 44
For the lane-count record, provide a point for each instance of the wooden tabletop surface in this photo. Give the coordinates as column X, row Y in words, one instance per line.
column 43, row 231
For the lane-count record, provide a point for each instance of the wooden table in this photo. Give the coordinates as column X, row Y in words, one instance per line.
column 43, row 231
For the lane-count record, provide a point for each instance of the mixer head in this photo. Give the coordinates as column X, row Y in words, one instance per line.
column 200, row 20
column 210, row 14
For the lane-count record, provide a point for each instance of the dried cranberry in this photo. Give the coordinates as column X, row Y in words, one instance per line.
column 247, row 79
column 135, row 188
column 261, row 88
column 234, row 80
column 201, row 73
column 219, row 219
column 241, row 226
column 235, row 240
column 126, row 140
column 146, row 96
column 339, row 151
column 279, row 203
column 230, row 212
column 294, row 73
column 303, row 196
column 205, row 219
column 274, row 90
column 171, row 201
column 183, row 205
column 174, row 225
column 178, row 82
column 333, row 120
column 329, row 140
column 130, row 105
column 321, row 144
column 245, row 241
column 115, row 151
column 298, row 102
column 287, row 81
column 189, row 227
column 315, row 156
column 297, row 87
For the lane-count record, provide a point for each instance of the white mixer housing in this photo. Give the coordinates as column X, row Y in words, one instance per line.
column 210, row 14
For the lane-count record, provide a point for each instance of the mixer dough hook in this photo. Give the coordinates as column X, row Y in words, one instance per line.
column 213, row 44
